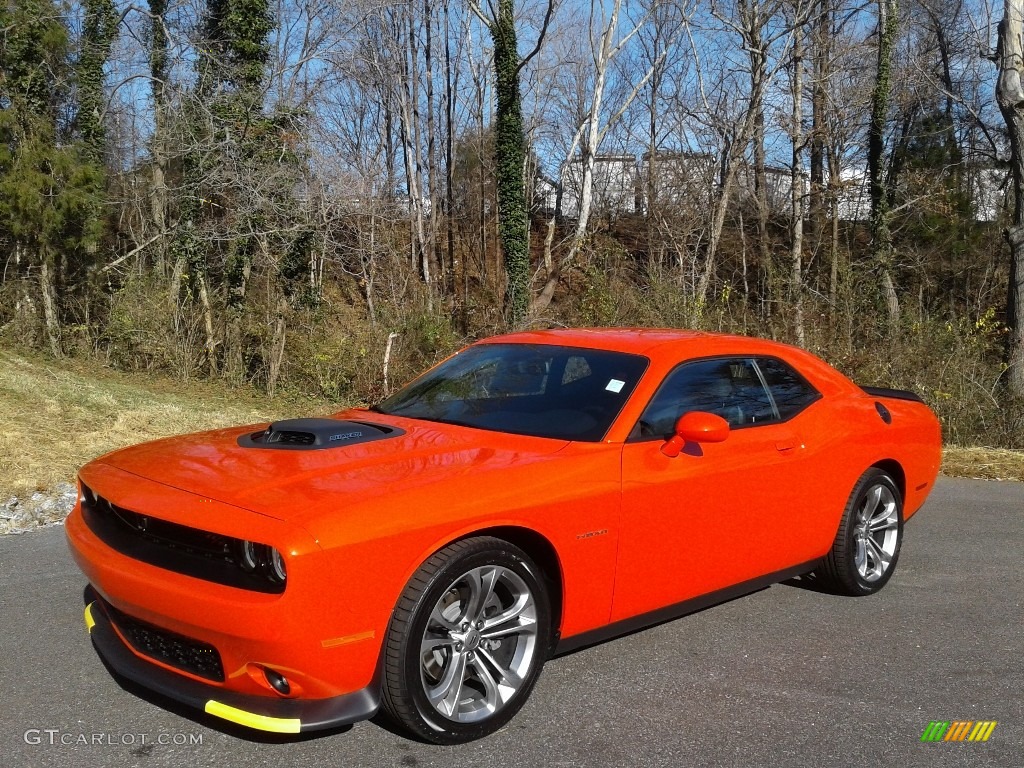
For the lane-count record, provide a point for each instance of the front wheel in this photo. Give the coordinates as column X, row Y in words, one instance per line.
column 467, row 641
column 867, row 545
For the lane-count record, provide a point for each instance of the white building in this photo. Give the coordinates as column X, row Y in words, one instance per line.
column 990, row 191
column 615, row 186
column 684, row 179
column 687, row 180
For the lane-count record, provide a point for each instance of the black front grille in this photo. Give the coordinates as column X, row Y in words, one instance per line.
column 189, row 541
column 198, row 658
column 175, row 547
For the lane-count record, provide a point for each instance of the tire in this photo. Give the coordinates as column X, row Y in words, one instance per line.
column 467, row 642
column 867, row 544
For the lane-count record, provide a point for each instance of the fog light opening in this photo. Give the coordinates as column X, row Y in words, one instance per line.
column 277, row 681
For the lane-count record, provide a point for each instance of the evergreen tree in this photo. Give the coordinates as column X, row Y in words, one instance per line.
column 50, row 187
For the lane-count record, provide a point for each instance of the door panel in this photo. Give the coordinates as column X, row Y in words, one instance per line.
column 716, row 515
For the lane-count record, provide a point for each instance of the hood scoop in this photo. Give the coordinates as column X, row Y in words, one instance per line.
column 316, row 434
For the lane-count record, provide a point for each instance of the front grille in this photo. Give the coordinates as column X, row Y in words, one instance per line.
column 189, row 541
column 174, row 547
column 198, row 658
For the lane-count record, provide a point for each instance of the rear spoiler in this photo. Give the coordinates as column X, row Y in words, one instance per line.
column 897, row 394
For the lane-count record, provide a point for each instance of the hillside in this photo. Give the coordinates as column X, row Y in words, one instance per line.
column 55, row 417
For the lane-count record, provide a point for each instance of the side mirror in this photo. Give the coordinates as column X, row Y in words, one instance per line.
column 696, row 427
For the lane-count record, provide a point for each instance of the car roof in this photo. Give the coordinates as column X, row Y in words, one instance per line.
column 642, row 341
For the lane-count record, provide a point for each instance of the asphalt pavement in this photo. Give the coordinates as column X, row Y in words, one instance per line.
column 786, row 677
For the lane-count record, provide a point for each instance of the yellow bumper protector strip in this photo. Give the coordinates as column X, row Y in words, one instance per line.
column 90, row 622
column 250, row 720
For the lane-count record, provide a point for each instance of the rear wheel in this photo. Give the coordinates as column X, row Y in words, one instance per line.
column 467, row 641
column 867, row 545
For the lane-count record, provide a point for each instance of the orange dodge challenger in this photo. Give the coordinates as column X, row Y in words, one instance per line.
column 533, row 493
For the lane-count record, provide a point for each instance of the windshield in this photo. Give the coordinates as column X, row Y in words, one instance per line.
column 567, row 393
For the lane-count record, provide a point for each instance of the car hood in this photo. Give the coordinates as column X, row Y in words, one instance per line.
column 295, row 485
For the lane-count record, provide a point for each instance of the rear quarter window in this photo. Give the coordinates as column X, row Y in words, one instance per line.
column 790, row 391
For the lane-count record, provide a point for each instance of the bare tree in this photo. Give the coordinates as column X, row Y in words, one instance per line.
column 796, row 181
column 751, row 22
column 1010, row 95
column 881, row 214
column 599, row 118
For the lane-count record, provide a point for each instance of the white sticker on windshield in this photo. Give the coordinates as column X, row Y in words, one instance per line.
column 615, row 386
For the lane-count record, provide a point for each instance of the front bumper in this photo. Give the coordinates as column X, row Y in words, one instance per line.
column 259, row 712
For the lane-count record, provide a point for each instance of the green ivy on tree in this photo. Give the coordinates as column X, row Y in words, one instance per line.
column 513, row 223
column 98, row 34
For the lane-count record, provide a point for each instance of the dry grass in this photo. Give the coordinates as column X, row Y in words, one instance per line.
column 54, row 417
column 983, row 463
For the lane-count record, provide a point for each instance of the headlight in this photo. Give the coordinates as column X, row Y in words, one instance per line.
column 277, row 569
column 86, row 495
column 249, row 559
column 262, row 559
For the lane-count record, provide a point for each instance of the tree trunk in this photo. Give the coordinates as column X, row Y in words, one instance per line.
column 390, row 172
column 797, row 191
column 755, row 55
column 211, row 337
column 833, row 241
column 49, row 296
column 451, row 85
column 652, row 211
column 881, row 215
column 1010, row 96
column 174, row 294
column 510, row 155
column 822, row 57
column 277, row 347
column 158, row 72
column 433, row 171
column 732, row 157
column 369, row 268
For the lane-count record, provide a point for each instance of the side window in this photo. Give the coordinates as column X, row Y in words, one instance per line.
column 790, row 391
column 728, row 387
